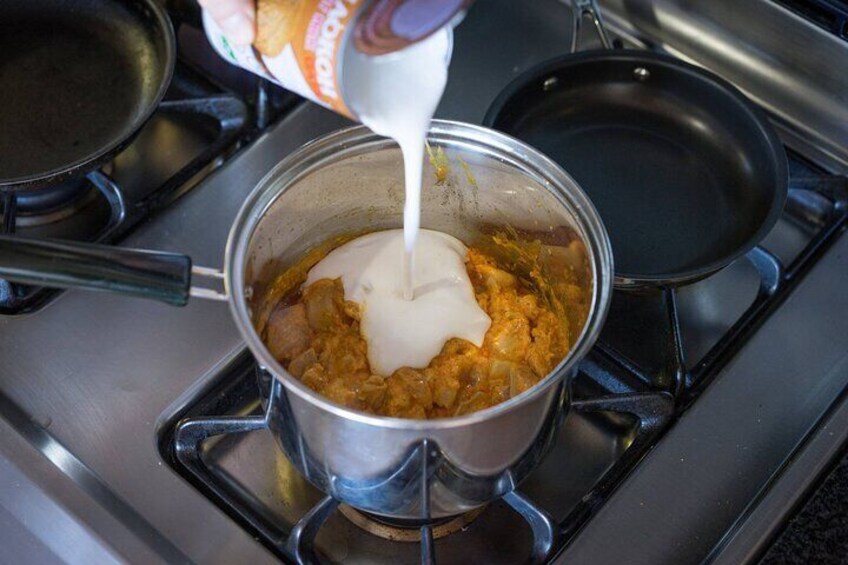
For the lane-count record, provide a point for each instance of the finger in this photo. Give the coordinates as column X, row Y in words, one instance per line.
column 237, row 18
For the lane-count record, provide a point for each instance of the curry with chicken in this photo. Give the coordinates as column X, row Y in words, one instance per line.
column 536, row 317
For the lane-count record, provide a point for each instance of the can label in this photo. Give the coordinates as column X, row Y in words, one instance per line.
column 299, row 45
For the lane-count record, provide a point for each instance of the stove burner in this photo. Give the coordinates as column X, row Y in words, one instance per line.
column 59, row 201
column 184, row 446
column 49, row 198
column 394, row 530
column 49, row 205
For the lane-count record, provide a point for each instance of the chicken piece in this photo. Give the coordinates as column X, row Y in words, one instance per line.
column 340, row 391
column 562, row 258
column 477, row 376
column 571, row 293
column 445, row 387
column 477, row 401
column 324, row 300
column 457, row 346
column 521, row 378
column 484, row 302
column 549, row 346
column 539, row 359
column 302, row 362
column 497, row 383
column 409, row 395
column 372, row 393
column 494, row 279
column 449, row 368
column 343, row 353
column 315, row 377
column 288, row 333
column 353, row 310
column 499, row 370
column 509, row 336
column 529, row 306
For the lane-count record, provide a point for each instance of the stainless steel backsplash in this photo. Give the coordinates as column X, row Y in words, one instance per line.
column 793, row 68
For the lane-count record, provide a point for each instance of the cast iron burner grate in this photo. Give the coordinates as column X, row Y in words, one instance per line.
column 185, row 444
column 622, row 403
column 224, row 119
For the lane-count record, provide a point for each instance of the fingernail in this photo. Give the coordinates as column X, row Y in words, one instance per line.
column 238, row 28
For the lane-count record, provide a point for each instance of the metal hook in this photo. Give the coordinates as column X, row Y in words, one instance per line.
column 589, row 8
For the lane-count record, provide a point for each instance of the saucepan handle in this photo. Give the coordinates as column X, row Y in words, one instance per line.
column 581, row 9
column 148, row 274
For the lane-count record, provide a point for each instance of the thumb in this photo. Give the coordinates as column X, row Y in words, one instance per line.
column 237, row 18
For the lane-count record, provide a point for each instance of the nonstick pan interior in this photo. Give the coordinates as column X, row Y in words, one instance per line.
column 79, row 77
column 685, row 173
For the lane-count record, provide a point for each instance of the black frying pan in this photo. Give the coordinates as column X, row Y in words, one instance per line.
column 685, row 172
column 79, row 78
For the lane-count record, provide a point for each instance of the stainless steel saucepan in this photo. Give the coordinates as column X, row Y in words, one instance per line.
column 347, row 182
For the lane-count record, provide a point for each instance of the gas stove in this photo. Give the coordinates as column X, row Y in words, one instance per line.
column 710, row 402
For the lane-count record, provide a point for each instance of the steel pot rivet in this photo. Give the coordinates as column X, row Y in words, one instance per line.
column 641, row 74
column 549, row 83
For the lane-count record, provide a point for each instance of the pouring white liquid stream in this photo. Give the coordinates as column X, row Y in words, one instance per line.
column 397, row 97
column 411, row 307
column 400, row 332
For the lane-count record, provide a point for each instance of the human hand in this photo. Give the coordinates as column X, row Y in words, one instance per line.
column 237, row 18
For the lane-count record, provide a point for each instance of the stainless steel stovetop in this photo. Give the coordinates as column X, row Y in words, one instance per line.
column 91, row 385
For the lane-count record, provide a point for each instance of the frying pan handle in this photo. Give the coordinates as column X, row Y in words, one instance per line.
column 582, row 8
column 147, row 274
